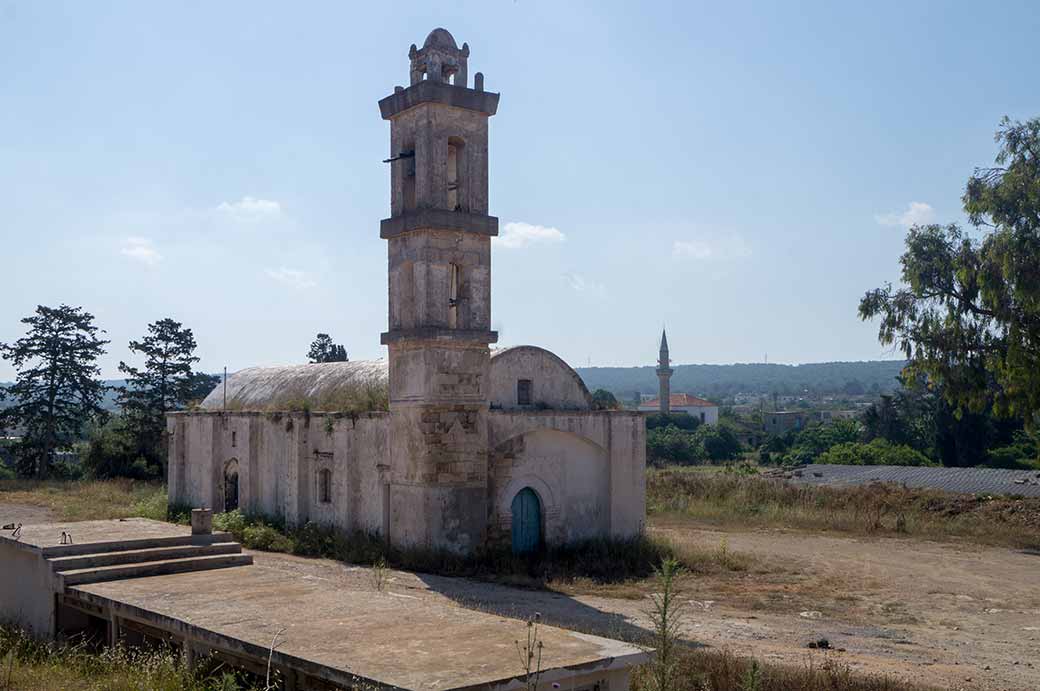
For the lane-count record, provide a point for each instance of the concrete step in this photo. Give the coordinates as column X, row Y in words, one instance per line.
column 126, row 545
column 135, row 556
column 152, row 568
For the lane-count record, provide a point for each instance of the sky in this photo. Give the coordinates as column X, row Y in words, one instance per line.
column 738, row 172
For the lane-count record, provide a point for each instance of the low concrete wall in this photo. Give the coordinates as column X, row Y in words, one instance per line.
column 27, row 589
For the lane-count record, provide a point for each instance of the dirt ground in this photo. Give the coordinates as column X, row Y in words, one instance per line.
column 951, row 615
column 26, row 514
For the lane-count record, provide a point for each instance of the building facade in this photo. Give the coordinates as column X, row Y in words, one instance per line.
column 705, row 411
column 473, row 448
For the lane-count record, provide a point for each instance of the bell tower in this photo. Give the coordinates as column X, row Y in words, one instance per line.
column 439, row 246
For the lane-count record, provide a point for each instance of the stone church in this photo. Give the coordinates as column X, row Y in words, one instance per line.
column 446, row 443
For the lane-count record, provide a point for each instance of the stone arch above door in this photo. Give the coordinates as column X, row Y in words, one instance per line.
column 570, row 475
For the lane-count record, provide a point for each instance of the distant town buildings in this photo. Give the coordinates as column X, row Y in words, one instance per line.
column 706, row 411
column 782, row 421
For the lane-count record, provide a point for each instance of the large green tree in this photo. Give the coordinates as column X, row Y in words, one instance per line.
column 324, row 350
column 57, row 389
column 165, row 383
column 968, row 315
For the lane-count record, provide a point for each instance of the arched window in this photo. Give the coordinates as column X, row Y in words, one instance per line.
column 231, row 485
column 407, row 164
column 456, row 175
column 325, row 486
column 453, row 296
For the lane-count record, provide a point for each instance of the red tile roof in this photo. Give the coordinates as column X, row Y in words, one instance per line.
column 679, row 400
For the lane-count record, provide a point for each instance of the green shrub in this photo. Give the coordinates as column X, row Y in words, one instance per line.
column 877, row 452
column 1021, row 454
column 113, row 451
column 267, row 538
column 602, row 560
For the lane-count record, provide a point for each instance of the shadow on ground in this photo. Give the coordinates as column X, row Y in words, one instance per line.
column 556, row 609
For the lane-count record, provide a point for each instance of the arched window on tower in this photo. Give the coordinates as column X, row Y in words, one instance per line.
column 453, row 296
column 407, row 164
column 456, row 174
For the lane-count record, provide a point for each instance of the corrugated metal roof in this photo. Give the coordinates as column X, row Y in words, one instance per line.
column 961, row 480
column 359, row 384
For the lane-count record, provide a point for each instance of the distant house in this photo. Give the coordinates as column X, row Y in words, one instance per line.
column 706, row 411
column 781, row 421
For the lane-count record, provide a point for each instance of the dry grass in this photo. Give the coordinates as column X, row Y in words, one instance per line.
column 85, row 500
column 728, row 500
column 708, row 670
column 27, row 664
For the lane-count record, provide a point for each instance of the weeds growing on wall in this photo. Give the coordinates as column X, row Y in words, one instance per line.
column 361, row 398
column 601, row 560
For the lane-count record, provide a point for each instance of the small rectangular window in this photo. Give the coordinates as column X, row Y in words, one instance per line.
column 523, row 392
column 234, row 438
column 325, row 486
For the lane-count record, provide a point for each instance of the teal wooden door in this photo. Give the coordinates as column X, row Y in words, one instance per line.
column 527, row 522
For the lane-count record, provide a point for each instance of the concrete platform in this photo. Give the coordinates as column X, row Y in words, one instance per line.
column 127, row 532
column 327, row 634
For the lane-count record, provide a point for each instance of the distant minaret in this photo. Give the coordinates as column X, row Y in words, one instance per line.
column 664, row 374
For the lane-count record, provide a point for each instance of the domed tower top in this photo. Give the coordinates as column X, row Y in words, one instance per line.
column 439, row 60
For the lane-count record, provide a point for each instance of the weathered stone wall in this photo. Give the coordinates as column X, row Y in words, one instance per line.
column 438, row 444
column 587, row 468
column 419, row 263
column 279, row 457
column 553, row 383
column 425, row 130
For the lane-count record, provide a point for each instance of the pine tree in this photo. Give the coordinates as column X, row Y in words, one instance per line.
column 165, row 383
column 57, row 387
column 324, row 350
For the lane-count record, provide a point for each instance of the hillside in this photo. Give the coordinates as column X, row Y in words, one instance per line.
column 726, row 380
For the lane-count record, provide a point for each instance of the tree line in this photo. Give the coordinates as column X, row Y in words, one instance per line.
column 720, row 381
column 57, row 397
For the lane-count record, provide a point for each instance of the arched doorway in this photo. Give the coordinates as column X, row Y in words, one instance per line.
column 231, row 485
column 527, row 522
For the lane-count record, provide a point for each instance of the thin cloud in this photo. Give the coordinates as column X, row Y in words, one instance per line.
column 580, row 284
column 708, row 249
column 293, row 278
column 250, row 209
column 141, row 250
column 916, row 214
column 516, row 235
